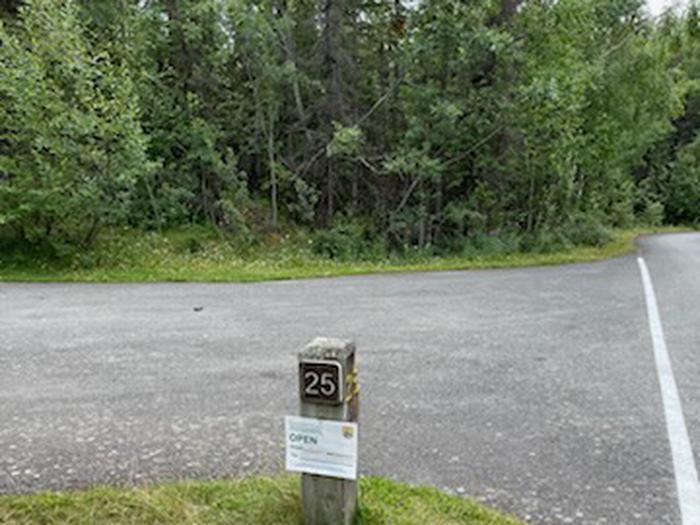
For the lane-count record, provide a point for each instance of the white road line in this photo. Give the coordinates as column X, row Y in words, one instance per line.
column 683, row 461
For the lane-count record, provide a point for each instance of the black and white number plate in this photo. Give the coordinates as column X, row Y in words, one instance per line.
column 321, row 382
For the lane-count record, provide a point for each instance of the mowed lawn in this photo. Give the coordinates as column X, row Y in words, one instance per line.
column 254, row 501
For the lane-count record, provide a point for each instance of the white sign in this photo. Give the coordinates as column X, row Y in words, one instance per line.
column 321, row 446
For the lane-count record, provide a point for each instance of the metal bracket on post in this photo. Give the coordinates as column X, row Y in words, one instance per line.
column 329, row 390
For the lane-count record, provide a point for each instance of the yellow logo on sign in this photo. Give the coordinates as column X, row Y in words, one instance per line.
column 348, row 432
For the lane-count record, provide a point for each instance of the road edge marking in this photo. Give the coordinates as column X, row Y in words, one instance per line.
column 684, row 468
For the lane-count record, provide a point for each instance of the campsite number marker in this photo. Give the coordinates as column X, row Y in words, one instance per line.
column 322, row 444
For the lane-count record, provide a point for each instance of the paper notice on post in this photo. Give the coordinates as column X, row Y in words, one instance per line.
column 321, row 446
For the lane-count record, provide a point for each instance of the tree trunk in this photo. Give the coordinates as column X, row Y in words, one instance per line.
column 273, row 171
column 335, row 62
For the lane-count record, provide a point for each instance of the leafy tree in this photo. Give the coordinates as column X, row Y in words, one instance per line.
column 438, row 125
column 72, row 148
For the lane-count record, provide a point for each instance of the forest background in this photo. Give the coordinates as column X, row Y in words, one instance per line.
column 341, row 129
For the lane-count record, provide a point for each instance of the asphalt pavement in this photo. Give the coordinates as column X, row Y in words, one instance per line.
column 534, row 390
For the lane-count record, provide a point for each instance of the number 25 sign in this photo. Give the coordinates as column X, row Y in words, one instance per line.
column 321, row 382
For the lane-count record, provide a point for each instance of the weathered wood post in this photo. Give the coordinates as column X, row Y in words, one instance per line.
column 329, row 391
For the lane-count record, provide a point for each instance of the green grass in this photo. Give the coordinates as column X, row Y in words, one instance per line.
column 204, row 257
column 255, row 501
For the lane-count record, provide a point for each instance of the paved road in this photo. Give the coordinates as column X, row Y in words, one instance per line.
column 534, row 390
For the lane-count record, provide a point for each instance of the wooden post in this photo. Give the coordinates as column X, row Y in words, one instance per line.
column 327, row 500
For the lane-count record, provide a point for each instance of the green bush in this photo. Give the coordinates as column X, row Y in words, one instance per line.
column 545, row 240
column 586, row 230
column 72, row 148
column 348, row 240
column 683, row 190
column 491, row 245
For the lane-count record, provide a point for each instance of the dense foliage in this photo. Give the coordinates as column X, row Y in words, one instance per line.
column 378, row 124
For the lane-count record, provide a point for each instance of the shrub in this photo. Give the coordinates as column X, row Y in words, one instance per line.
column 72, row 147
column 348, row 240
column 586, row 230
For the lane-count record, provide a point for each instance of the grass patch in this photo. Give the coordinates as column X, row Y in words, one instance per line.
column 255, row 501
column 181, row 256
